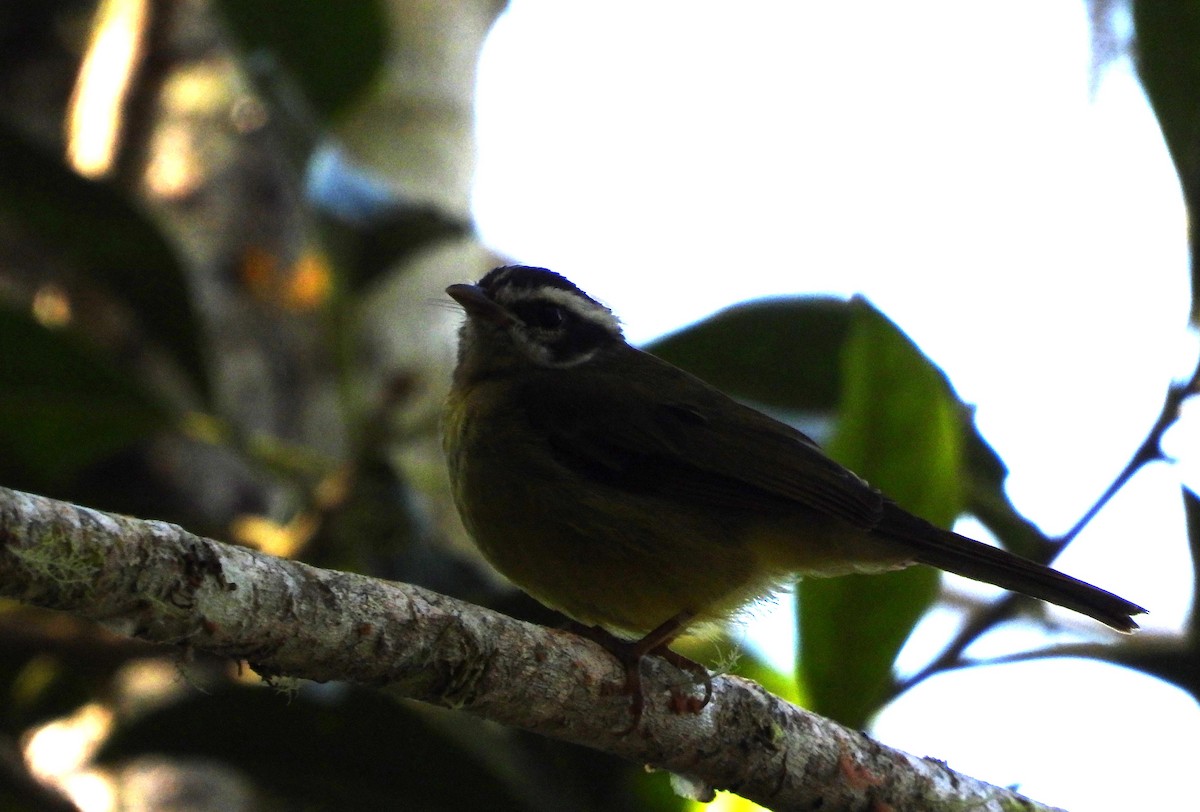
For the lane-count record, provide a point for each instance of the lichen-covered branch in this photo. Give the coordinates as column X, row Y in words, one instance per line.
column 157, row 582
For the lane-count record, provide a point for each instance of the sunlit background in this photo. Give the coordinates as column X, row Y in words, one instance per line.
column 997, row 188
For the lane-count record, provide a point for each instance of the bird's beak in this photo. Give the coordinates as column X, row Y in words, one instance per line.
column 478, row 305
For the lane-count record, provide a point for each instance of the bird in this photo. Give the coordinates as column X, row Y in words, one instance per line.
column 641, row 502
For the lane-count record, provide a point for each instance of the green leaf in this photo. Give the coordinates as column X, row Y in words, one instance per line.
column 110, row 242
column 901, row 427
column 63, row 406
column 777, row 352
column 332, row 49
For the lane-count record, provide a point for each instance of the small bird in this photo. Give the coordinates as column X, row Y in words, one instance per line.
column 640, row 501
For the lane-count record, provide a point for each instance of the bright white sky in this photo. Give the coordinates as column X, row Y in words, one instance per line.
column 949, row 161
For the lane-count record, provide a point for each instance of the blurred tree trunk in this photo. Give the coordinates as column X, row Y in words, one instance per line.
column 417, row 131
column 218, row 167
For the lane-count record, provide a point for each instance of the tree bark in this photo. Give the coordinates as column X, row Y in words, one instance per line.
column 157, row 582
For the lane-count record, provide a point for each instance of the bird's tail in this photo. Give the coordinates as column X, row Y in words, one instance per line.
column 982, row 562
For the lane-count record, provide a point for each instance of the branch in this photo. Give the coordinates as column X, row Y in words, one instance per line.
column 1004, row 609
column 156, row 582
column 1149, row 451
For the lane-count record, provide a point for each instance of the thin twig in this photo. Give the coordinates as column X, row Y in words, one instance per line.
column 1004, row 609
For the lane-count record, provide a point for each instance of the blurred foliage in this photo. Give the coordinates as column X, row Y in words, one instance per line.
column 1169, row 66
column 77, row 404
column 332, row 50
column 337, row 747
column 107, row 241
column 63, row 404
column 376, row 246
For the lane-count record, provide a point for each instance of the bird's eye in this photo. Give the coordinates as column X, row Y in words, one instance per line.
column 541, row 314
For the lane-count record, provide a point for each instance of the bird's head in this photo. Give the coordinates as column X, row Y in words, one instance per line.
column 518, row 315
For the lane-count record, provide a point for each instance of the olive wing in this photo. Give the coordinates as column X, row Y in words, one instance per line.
column 642, row 425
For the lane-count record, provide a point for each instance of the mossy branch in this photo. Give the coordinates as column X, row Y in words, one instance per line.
column 157, row 582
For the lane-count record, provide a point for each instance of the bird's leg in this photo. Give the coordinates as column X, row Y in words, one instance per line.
column 655, row 643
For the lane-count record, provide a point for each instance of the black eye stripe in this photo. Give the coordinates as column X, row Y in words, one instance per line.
column 545, row 315
column 556, row 323
column 582, row 338
column 566, row 336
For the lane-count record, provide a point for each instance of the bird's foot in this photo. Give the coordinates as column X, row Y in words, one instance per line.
column 630, row 654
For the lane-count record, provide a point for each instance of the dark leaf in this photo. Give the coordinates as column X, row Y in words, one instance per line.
column 62, row 405
column 1166, row 35
column 781, row 353
column 333, row 49
column 1191, row 505
column 36, row 688
column 108, row 239
column 340, row 748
